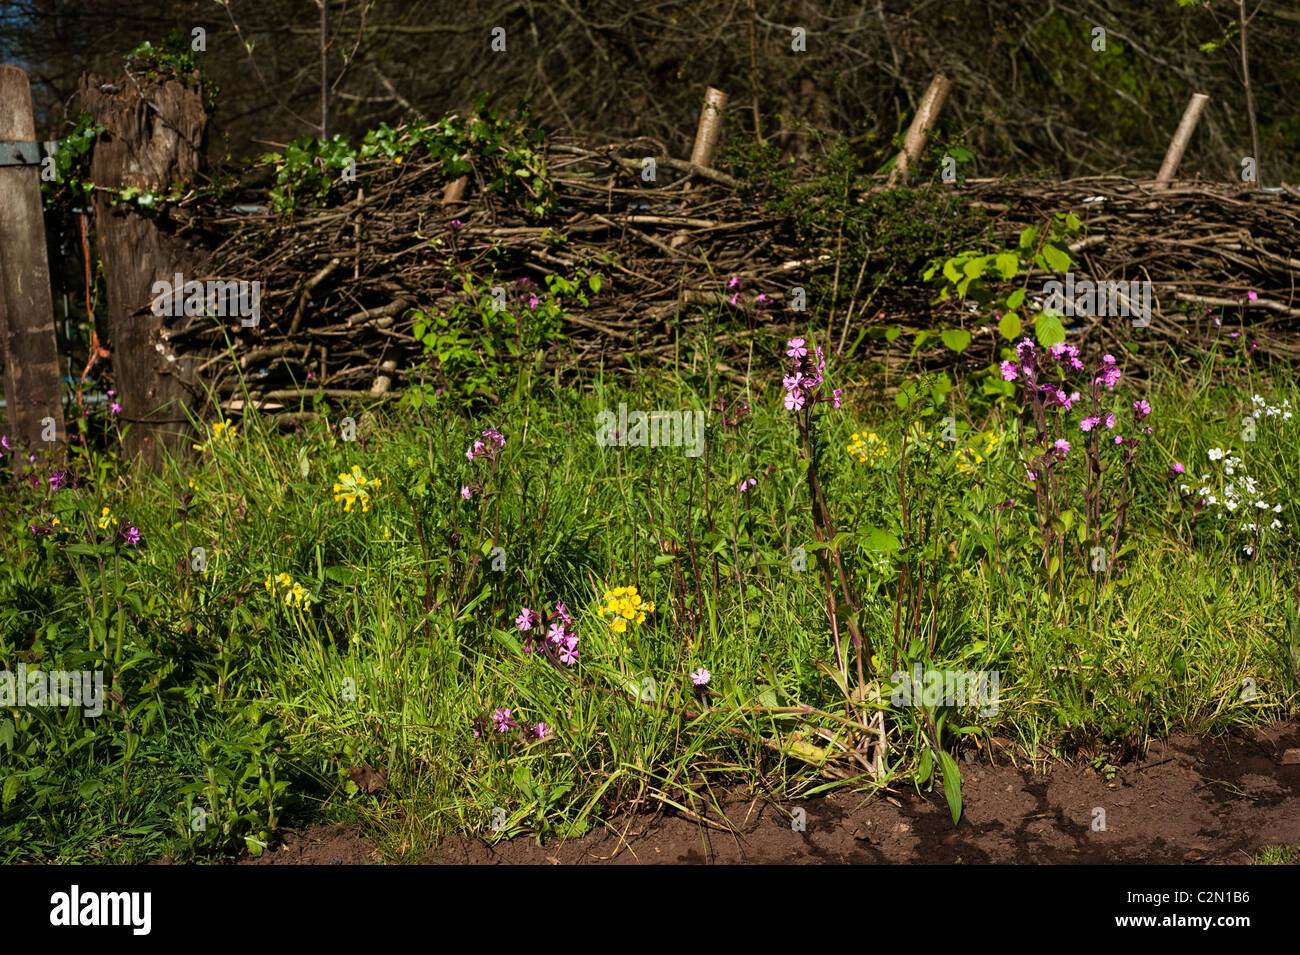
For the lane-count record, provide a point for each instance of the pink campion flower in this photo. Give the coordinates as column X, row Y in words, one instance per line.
column 835, row 397
column 795, row 348
column 541, row 731
column 569, row 651
column 794, row 400
column 456, row 223
column 465, row 492
column 4, row 442
column 1087, row 424
column 475, row 450
column 1024, row 348
column 1252, row 295
column 701, row 677
column 504, row 720
column 526, row 619
column 555, row 634
column 735, row 280
column 534, row 301
column 1119, row 439
column 132, row 535
column 563, row 612
column 735, row 299
column 746, row 484
column 1177, row 468
column 1009, row 371
column 1062, row 447
column 761, row 298
column 1108, row 377
column 114, row 408
column 1033, row 475
column 495, row 438
column 1110, row 421
column 1140, row 410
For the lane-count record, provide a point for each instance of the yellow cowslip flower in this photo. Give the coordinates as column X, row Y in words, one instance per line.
column 868, row 448
column 106, row 518
column 351, row 487
column 624, row 605
column 222, row 431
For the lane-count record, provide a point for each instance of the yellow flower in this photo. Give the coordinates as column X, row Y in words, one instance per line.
column 106, row 518
column 351, row 487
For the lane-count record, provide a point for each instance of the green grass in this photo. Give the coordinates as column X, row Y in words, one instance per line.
column 241, row 714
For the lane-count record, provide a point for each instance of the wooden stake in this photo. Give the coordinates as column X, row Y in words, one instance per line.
column 27, row 343
column 706, row 135
column 922, row 122
column 1178, row 145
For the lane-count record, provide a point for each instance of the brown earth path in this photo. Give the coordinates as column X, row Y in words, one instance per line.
column 1187, row 801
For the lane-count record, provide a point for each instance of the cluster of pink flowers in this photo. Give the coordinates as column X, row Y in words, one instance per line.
column 804, row 379
column 734, row 283
column 488, row 446
column 503, row 719
column 558, row 642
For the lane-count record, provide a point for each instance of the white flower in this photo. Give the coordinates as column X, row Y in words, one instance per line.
column 1216, row 454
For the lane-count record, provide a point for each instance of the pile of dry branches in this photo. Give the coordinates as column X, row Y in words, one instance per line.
column 342, row 287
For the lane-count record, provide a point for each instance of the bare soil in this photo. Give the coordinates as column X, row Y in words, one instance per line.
column 1185, row 801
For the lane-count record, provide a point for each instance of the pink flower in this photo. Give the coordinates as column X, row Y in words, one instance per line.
column 526, row 619
column 534, row 301
column 114, row 408
column 1110, row 421
column 1062, row 447
column 735, row 299
column 504, row 720
column 1252, row 295
column 465, row 492
column 794, row 400
column 761, row 298
column 1177, row 468
column 701, row 677
column 735, row 280
column 563, row 613
column 795, row 348
column 555, row 634
column 835, row 397
column 746, row 484
column 1140, row 410
column 1009, row 371
column 569, row 652
column 1087, row 424
column 541, row 731
column 1119, row 439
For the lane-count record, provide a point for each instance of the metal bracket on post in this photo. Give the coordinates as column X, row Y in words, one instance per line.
column 25, row 154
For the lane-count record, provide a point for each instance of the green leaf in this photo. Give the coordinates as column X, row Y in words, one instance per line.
column 1048, row 329
column 956, row 339
column 974, row 268
column 1057, row 258
column 1028, row 237
column 595, row 282
column 877, row 538
column 1008, row 264
column 1009, row 326
column 892, row 332
column 1016, row 299
column 951, row 784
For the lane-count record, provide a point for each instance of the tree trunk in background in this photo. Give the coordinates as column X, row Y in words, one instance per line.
column 151, row 142
column 31, row 360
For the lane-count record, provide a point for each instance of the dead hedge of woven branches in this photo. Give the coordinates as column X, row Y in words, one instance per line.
column 697, row 252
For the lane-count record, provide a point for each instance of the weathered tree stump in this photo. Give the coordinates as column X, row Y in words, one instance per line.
column 152, row 139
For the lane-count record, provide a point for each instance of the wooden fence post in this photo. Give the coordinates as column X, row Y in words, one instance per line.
column 706, row 134
column 153, row 139
column 31, row 361
column 1178, row 145
column 922, row 122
